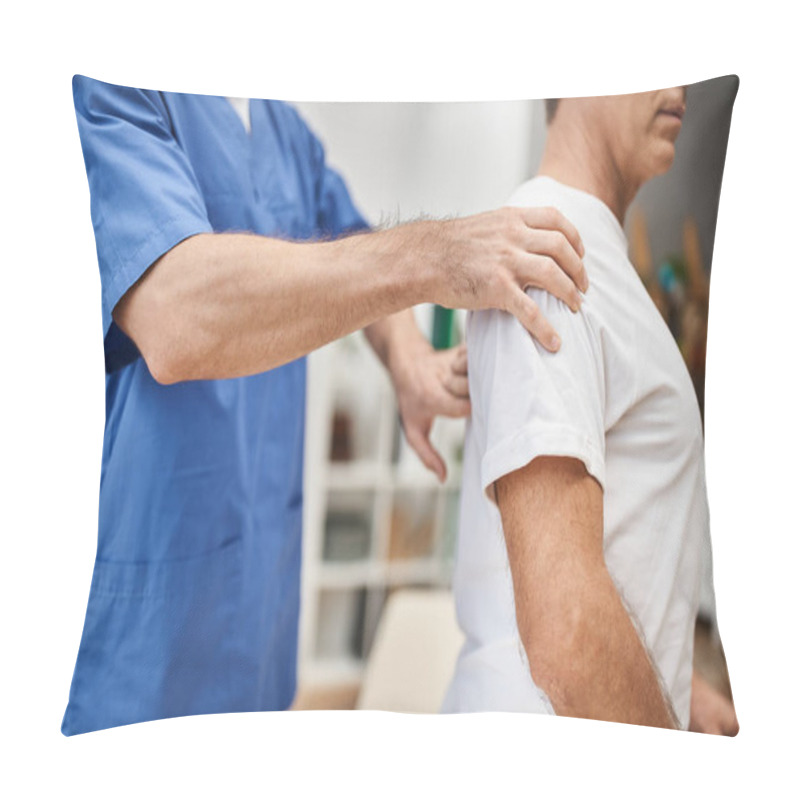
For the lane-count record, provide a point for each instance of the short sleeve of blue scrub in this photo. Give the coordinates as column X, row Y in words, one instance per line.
column 145, row 198
column 194, row 601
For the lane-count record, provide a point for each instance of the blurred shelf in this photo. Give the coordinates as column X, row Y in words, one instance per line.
column 363, row 474
column 371, row 524
column 344, row 575
column 369, row 474
column 412, row 571
column 404, row 479
column 333, row 671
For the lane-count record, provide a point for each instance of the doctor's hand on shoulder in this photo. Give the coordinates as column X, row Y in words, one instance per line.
column 488, row 260
column 226, row 305
column 483, row 261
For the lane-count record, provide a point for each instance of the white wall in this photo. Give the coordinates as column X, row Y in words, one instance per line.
column 442, row 159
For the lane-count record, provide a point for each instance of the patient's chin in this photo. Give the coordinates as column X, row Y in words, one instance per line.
column 662, row 158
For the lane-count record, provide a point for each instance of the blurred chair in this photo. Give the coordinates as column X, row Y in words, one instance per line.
column 414, row 653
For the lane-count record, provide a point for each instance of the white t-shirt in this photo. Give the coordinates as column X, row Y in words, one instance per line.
column 618, row 397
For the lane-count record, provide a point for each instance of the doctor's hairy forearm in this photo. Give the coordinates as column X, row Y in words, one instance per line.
column 228, row 305
column 582, row 647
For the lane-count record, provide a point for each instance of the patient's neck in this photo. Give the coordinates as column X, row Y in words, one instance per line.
column 575, row 158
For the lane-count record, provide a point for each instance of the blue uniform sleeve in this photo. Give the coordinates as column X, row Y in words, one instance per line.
column 145, row 198
column 336, row 212
column 337, row 215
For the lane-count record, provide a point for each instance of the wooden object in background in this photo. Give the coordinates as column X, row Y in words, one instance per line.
column 341, row 436
column 642, row 259
column 697, row 276
column 415, row 652
column 641, row 255
column 694, row 320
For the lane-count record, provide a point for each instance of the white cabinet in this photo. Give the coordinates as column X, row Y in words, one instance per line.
column 373, row 521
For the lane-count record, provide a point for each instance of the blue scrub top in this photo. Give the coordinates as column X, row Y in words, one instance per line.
column 194, row 601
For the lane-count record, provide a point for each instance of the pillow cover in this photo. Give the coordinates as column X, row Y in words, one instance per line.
column 205, row 506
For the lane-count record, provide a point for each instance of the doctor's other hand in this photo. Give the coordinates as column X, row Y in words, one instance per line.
column 429, row 383
column 710, row 711
column 488, row 260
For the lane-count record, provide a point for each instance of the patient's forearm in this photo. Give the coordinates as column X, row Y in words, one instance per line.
column 581, row 644
column 585, row 653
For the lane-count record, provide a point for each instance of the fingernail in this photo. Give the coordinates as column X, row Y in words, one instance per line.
column 555, row 343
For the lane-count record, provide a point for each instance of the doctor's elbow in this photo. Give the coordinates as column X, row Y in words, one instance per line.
column 161, row 336
column 175, row 352
column 165, row 369
column 160, row 347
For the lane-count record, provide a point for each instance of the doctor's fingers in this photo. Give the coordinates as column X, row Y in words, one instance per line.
column 530, row 316
column 459, row 363
column 427, row 453
column 543, row 272
column 562, row 251
column 548, row 219
column 449, row 403
column 457, row 385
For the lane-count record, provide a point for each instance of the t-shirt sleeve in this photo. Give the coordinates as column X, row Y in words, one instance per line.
column 527, row 402
column 145, row 198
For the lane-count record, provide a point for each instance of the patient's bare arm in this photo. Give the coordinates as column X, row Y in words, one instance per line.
column 582, row 647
